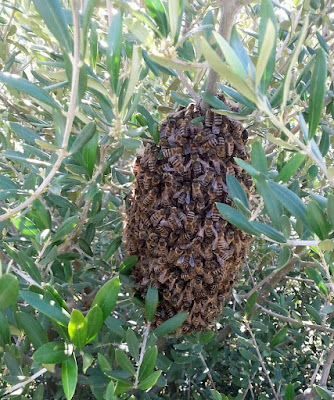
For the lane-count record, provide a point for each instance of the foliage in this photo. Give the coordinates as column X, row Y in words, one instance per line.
column 81, row 90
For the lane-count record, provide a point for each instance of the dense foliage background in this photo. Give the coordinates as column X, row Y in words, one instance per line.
column 84, row 84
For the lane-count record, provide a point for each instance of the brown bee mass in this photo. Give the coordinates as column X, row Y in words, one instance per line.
column 184, row 246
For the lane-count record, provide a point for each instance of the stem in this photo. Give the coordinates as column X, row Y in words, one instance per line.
column 69, row 122
column 22, row 384
column 207, row 370
column 142, row 352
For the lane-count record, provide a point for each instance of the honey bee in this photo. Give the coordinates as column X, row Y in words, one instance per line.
column 229, row 146
column 207, row 177
column 151, row 197
column 222, row 244
column 155, row 180
column 170, row 313
column 200, row 206
column 162, row 230
column 229, row 236
column 157, row 216
column 244, row 135
column 163, row 276
column 208, row 254
column 174, row 254
column 211, row 141
column 146, row 221
column 208, row 225
column 143, row 235
column 169, row 152
column 151, row 163
column 230, row 168
column 218, row 119
column 209, row 116
column 166, row 293
column 221, row 150
column 196, row 189
column 215, row 214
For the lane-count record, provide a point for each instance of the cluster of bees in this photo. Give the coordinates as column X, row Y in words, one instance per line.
column 185, row 248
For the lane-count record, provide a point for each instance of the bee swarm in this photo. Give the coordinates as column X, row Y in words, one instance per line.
column 185, row 249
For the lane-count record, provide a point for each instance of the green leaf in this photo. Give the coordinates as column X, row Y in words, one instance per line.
column 279, row 337
column 25, row 226
column 290, row 168
column 106, row 297
column 317, row 278
column 236, row 218
column 32, row 328
column 175, row 8
column 94, row 320
column 314, row 314
column 236, row 190
column 251, row 303
column 214, row 101
column 46, row 307
column 9, row 290
column 267, row 45
column 149, row 381
column 259, row 159
column 289, row 392
column 24, row 133
column 132, row 144
column 114, row 49
column 317, row 91
column 77, row 329
column 158, row 13
column 324, row 393
column 133, row 344
column 53, row 16
column 87, row 360
column 283, row 257
column 247, row 167
column 238, row 47
column 317, row 219
column 134, row 74
column 53, row 353
column 151, row 303
column 148, row 363
column 290, row 201
column 268, row 231
column 171, row 324
column 124, row 362
column 230, row 56
column 40, row 215
column 84, row 137
column 225, row 72
column 122, row 387
column 248, row 355
column 89, row 153
column 110, row 391
column 4, row 330
column 330, row 208
column 103, row 363
column 69, row 376
column 216, row 395
column 114, row 245
column 65, row 228
column 273, row 206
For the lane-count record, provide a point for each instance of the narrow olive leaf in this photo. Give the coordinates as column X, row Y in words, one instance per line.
column 148, row 363
column 279, row 337
column 258, row 158
column 124, row 362
column 25, row 226
column 4, row 330
column 266, row 53
column 317, row 278
column 293, row 59
column 317, row 91
column 324, row 393
column 247, row 167
column 32, row 328
column 87, row 17
column 94, row 320
column 225, row 72
column 149, row 381
column 158, row 13
column 283, row 257
column 87, row 360
column 289, row 392
column 52, row 14
column 230, row 56
column 248, row 355
column 114, row 245
column 53, row 353
column 134, row 74
column 23, row 85
column 65, row 228
column 69, row 376
column 122, row 387
column 273, row 206
column 106, row 297
column 114, row 49
column 89, row 152
column 171, row 324
column 110, row 391
column 236, row 218
column 290, row 168
column 84, row 137
column 267, row 15
column 46, row 307
column 77, row 329
column 216, row 395
column 24, row 133
column 290, row 201
column 330, row 209
column 239, row 49
column 236, row 190
column 317, row 220
column 241, row 207
column 9, row 290
column 133, row 344
column 132, row 144
column 151, row 303
column 175, row 18
column 251, row 303
column 269, row 231
column 314, row 314
column 214, row 101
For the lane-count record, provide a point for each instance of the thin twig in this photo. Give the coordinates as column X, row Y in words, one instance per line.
column 207, row 370
column 142, row 352
column 24, row 383
column 187, row 85
column 76, row 65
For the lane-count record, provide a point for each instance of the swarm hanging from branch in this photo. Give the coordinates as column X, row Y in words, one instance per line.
column 185, row 248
